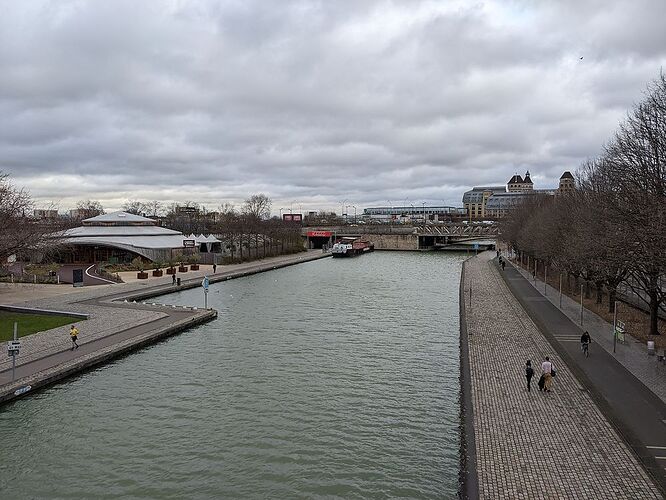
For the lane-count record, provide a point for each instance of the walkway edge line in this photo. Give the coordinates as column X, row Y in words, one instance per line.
column 468, row 478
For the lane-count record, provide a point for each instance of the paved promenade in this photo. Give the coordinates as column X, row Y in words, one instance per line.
column 114, row 325
column 631, row 354
column 535, row 445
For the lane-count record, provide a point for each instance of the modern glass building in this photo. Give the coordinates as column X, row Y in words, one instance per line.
column 414, row 214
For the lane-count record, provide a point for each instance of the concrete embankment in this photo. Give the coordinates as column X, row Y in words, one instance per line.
column 122, row 322
column 532, row 444
column 47, row 372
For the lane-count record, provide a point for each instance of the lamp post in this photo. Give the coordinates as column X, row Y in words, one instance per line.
column 354, row 206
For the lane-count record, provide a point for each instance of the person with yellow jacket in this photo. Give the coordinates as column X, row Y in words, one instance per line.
column 73, row 334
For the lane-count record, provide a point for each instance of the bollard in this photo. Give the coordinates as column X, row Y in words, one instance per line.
column 581, row 305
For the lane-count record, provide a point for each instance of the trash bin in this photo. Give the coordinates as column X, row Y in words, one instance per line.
column 650, row 345
column 178, row 281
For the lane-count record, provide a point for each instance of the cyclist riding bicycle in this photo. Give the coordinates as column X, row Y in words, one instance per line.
column 585, row 341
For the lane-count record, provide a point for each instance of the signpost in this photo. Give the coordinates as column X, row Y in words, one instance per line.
column 13, row 348
column 476, row 248
column 205, row 283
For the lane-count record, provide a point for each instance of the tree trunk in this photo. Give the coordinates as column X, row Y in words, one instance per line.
column 600, row 293
column 612, row 294
column 654, row 314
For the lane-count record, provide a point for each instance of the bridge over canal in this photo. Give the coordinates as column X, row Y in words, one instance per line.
column 449, row 236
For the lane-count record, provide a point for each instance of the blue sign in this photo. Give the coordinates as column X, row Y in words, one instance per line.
column 205, row 283
column 476, row 246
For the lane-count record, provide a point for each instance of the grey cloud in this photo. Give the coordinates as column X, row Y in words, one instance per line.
column 313, row 102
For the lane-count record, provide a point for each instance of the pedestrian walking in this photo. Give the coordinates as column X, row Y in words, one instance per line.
column 173, row 279
column 214, row 268
column 73, row 334
column 585, row 341
column 503, row 264
column 529, row 373
column 548, row 371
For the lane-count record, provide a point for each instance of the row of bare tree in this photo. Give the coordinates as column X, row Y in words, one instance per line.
column 612, row 229
column 246, row 233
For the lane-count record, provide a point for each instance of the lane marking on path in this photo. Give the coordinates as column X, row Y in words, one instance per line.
column 656, row 447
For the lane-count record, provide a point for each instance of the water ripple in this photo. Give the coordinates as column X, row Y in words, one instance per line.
column 332, row 379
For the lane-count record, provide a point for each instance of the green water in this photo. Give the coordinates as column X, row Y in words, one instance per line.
column 335, row 378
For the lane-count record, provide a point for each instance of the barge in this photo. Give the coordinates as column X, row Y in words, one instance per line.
column 351, row 247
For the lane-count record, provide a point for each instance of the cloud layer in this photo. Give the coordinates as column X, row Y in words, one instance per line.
column 312, row 103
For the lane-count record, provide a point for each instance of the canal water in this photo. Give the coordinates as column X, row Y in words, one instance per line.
column 334, row 378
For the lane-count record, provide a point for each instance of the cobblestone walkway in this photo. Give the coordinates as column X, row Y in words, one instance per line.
column 535, row 445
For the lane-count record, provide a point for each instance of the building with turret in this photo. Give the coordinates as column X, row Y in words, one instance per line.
column 519, row 185
column 495, row 202
column 567, row 183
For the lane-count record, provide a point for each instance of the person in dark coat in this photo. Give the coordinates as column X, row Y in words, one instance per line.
column 529, row 373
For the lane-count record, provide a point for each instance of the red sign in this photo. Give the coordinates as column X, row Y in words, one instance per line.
column 320, row 234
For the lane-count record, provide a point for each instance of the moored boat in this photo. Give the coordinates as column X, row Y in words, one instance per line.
column 351, row 247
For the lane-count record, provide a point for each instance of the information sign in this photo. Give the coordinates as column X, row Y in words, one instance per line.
column 13, row 347
column 619, row 330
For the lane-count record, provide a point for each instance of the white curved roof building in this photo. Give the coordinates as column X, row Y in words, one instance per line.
column 121, row 236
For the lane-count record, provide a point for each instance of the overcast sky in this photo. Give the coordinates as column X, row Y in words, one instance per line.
column 315, row 104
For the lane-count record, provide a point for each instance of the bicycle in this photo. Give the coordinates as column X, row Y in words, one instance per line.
column 585, row 346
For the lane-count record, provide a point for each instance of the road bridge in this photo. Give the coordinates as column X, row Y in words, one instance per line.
column 448, row 236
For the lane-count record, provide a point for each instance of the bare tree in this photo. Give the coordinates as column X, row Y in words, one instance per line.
column 20, row 233
column 636, row 162
column 154, row 208
column 258, row 205
column 89, row 208
column 135, row 207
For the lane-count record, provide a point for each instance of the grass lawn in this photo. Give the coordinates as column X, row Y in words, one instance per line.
column 30, row 323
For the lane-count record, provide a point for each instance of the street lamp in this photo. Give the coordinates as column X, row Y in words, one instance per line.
column 354, row 206
column 342, row 209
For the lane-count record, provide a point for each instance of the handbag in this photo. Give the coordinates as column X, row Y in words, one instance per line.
column 553, row 372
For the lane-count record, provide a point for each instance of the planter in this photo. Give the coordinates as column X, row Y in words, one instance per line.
column 171, row 270
column 182, row 269
column 142, row 275
column 194, row 267
column 157, row 273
